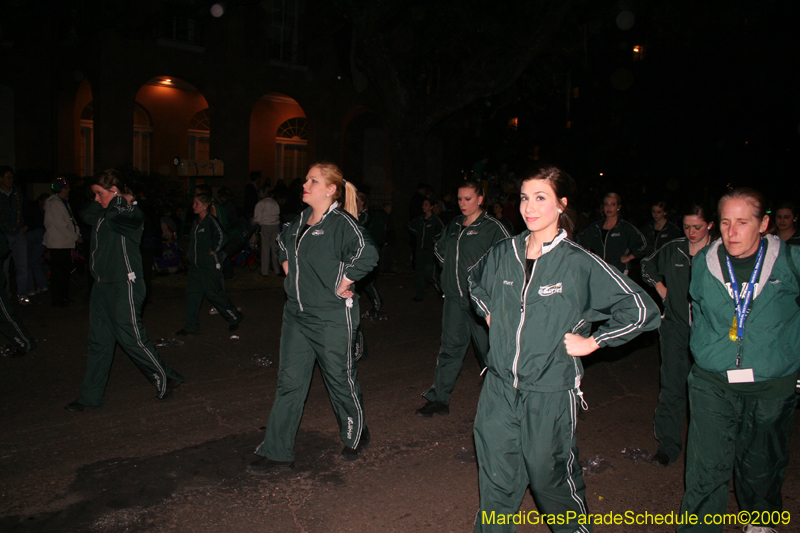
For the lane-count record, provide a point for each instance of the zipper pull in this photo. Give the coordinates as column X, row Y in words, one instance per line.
column 522, row 307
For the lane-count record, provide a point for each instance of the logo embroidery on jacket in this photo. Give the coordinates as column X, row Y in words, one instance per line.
column 549, row 290
column 317, row 232
column 615, row 234
column 201, row 230
column 472, row 232
column 678, row 264
column 506, row 282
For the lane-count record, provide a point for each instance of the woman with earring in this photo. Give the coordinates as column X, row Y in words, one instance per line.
column 464, row 241
column 745, row 340
column 115, row 308
column 659, row 231
column 669, row 270
column 786, row 223
column 616, row 241
column 323, row 252
column 539, row 292
column 205, row 273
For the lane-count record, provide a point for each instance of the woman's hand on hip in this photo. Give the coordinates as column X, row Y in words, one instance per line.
column 343, row 290
column 578, row 346
column 661, row 289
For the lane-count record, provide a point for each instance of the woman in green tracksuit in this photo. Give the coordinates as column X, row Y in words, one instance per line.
column 426, row 228
column 539, row 292
column 616, row 241
column 205, row 274
column 323, row 252
column 659, row 231
column 115, row 306
column 746, row 346
column 668, row 271
column 10, row 324
column 464, row 241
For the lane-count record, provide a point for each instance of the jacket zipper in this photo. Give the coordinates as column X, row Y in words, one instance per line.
column 458, row 245
column 96, row 240
column 297, row 255
column 523, row 297
column 297, row 263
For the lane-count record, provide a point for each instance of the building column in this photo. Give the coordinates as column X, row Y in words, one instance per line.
column 113, row 99
column 229, row 112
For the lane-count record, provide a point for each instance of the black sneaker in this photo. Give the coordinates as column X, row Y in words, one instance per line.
column 660, row 459
column 263, row 466
column 433, row 408
column 172, row 384
column 75, row 407
column 351, row 454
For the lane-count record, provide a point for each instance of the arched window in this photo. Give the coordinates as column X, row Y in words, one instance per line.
column 142, row 137
column 87, row 140
column 291, row 145
column 199, row 132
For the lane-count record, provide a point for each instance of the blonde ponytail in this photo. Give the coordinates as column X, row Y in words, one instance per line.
column 345, row 191
column 349, row 199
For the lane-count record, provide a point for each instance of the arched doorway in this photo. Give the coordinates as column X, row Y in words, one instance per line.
column 142, row 136
column 291, row 149
column 178, row 122
column 278, row 139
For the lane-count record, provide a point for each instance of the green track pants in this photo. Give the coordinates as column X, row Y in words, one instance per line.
column 115, row 317
column 11, row 327
column 207, row 282
column 310, row 337
column 675, row 366
column 734, row 435
column 459, row 325
column 527, row 438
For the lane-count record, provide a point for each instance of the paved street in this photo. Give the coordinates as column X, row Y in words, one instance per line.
column 140, row 465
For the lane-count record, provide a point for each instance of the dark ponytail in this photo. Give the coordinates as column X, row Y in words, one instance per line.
column 112, row 178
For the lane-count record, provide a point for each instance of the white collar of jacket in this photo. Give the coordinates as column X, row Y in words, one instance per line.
column 600, row 223
column 308, row 210
column 481, row 218
column 546, row 247
column 770, row 256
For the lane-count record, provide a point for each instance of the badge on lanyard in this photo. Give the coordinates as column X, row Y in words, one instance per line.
column 743, row 298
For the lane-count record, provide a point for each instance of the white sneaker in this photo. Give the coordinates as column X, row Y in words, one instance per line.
column 749, row 528
column 23, row 300
column 213, row 311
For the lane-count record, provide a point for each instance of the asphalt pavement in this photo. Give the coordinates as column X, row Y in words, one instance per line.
column 138, row 465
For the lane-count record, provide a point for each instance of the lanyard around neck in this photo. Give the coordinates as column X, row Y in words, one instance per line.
column 744, row 298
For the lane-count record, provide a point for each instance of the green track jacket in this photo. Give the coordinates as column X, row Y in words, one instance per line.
column 668, row 233
column 621, row 240
column 427, row 231
column 771, row 343
column 206, row 236
column 116, row 235
column 569, row 289
column 335, row 247
column 671, row 265
column 460, row 247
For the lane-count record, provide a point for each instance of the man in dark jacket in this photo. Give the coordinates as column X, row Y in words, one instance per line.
column 12, row 207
